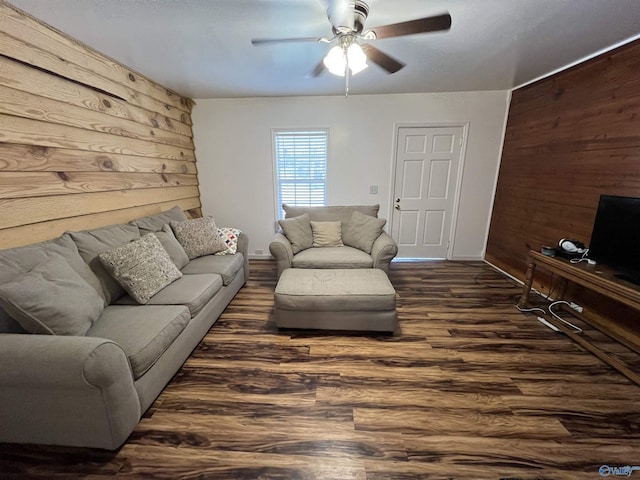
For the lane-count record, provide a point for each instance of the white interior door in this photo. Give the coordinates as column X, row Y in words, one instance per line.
column 427, row 163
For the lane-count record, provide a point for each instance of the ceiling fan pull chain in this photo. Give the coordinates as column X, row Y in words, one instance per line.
column 347, row 74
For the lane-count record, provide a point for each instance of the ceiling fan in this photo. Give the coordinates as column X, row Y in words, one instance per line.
column 349, row 56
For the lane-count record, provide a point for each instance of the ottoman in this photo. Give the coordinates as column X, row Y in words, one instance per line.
column 335, row 299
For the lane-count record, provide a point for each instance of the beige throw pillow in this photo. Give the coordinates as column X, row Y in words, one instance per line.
column 298, row 232
column 327, row 234
column 198, row 237
column 142, row 267
column 362, row 231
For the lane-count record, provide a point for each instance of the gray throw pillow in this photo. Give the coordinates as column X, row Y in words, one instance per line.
column 52, row 299
column 298, row 232
column 327, row 234
column 142, row 267
column 172, row 246
column 362, row 231
column 19, row 260
column 198, row 237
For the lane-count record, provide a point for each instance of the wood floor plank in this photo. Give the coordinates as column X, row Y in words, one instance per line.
column 468, row 388
column 189, row 463
column 447, row 421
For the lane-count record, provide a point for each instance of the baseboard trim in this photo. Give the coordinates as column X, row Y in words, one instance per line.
column 264, row 256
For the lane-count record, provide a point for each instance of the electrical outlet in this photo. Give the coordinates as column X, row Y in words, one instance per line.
column 373, row 189
column 258, row 252
column 576, row 307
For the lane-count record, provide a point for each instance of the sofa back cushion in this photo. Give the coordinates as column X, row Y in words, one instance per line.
column 172, row 246
column 92, row 243
column 155, row 223
column 330, row 213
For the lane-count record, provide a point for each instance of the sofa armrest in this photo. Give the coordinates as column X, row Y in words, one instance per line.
column 66, row 390
column 243, row 248
column 383, row 251
column 281, row 250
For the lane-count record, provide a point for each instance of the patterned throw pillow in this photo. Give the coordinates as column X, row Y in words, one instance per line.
column 230, row 238
column 198, row 237
column 143, row 267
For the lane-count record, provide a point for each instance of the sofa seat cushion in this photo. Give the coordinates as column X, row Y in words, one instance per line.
column 227, row 266
column 192, row 291
column 332, row 257
column 143, row 331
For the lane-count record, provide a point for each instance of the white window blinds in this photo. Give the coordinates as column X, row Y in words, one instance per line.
column 301, row 167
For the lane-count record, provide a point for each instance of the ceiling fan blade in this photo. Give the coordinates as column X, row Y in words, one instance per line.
column 318, row 70
column 341, row 13
column 380, row 58
column 421, row 25
column 269, row 41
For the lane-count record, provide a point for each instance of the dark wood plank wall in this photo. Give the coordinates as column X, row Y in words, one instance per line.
column 569, row 139
column 84, row 140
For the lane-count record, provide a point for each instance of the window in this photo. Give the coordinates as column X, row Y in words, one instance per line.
column 301, row 167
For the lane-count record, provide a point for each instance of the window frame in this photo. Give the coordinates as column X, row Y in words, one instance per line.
column 276, row 171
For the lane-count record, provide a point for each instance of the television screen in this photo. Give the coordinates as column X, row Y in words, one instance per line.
column 615, row 240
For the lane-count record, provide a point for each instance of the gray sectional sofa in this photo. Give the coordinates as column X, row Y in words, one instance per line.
column 362, row 241
column 90, row 385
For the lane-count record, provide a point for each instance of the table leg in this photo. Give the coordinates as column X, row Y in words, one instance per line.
column 562, row 288
column 526, row 289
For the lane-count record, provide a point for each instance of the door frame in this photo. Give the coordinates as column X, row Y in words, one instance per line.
column 463, row 154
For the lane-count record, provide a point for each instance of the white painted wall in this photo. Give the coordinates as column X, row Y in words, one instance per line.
column 235, row 164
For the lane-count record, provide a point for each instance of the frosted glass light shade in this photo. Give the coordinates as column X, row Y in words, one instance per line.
column 357, row 58
column 336, row 61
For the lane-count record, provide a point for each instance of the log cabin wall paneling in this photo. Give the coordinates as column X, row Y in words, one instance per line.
column 570, row 138
column 84, row 140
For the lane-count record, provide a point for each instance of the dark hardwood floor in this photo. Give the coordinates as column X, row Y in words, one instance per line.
column 468, row 388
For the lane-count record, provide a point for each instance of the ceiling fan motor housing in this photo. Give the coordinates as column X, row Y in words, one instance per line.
column 361, row 12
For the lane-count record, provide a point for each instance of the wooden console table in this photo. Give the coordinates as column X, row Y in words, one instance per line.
column 597, row 278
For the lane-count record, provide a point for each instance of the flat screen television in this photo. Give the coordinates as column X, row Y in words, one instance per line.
column 615, row 240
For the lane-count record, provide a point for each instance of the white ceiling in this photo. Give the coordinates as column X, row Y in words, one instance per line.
column 202, row 48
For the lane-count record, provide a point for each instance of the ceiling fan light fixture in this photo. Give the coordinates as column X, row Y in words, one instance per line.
column 336, row 61
column 356, row 58
column 342, row 56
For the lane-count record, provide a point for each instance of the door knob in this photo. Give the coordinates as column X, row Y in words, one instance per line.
column 397, row 200
column 397, row 206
